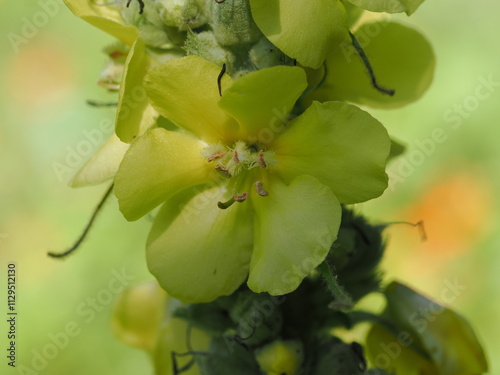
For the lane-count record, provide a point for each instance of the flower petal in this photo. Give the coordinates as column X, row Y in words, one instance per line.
column 401, row 58
column 304, row 30
column 197, row 251
column 185, row 91
column 157, row 166
column 295, row 226
column 105, row 18
column 341, row 145
column 389, row 6
column 103, row 165
column 134, row 114
column 259, row 99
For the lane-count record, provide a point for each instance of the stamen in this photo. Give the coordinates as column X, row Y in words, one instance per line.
column 223, row 171
column 240, row 197
column 236, row 198
column 218, row 155
column 260, row 189
column 262, row 162
column 235, row 157
column 225, row 205
column 117, row 54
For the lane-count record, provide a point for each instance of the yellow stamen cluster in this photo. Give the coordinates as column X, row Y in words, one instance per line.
column 230, row 161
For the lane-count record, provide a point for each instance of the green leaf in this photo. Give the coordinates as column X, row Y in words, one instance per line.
column 397, row 149
column 444, row 334
column 134, row 114
column 390, row 352
column 389, row 6
column 431, row 339
column 401, row 58
column 304, row 30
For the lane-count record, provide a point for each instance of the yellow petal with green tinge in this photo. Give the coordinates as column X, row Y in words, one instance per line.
column 295, row 226
column 157, row 166
column 196, row 250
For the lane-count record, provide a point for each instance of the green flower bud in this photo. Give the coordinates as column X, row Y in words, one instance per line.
column 281, row 357
column 138, row 314
column 205, row 45
column 257, row 318
column 224, row 359
column 264, row 54
column 357, row 253
column 150, row 25
column 334, row 357
column 183, row 14
column 233, row 24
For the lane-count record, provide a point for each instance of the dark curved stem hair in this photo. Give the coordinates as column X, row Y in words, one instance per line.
column 141, row 5
column 87, row 228
column 368, row 66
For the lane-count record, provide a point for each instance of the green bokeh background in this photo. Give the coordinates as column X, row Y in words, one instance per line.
column 44, row 86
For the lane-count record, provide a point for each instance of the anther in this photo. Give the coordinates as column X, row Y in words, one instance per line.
column 262, row 162
column 217, row 155
column 240, row 197
column 260, row 189
column 235, row 157
column 223, row 171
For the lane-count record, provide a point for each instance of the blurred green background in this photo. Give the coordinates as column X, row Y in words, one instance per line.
column 45, row 80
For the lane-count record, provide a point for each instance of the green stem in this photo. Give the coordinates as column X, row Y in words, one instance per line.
column 342, row 299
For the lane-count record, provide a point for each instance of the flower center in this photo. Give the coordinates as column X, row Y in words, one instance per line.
column 234, row 160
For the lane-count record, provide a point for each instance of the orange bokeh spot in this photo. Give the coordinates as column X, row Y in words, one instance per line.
column 455, row 210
